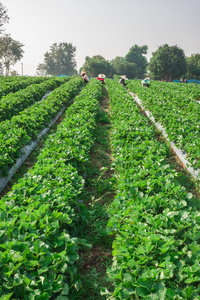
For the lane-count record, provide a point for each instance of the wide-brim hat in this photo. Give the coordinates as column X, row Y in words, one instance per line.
column 124, row 77
column 101, row 76
column 83, row 72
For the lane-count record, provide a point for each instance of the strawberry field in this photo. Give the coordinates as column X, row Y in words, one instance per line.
column 104, row 210
column 177, row 108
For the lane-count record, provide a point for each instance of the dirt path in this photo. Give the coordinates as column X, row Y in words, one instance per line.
column 99, row 193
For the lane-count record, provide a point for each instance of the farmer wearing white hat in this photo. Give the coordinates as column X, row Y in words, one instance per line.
column 101, row 77
column 146, row 82
column 122, row 80
column 84, row 76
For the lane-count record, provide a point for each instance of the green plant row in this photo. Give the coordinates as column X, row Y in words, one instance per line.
column 41, row 215
column 18, row 131
column 13, row 103
column 173, row 105
column 13, row 78
column 15, row 84
column 156, row 252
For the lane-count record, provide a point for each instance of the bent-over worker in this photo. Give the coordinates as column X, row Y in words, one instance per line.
column 85, row 77
column 122, row 80
column 101, row 77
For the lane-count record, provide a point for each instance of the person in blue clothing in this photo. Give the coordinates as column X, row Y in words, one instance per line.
column 146, row 82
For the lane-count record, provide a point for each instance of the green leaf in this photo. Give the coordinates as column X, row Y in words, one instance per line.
column 159, row 286
column 56, row 287
column 65, row 290
column 86, row 246
column 142, row 291
column 6, row 297
column 197, row 236
column 171, row 293
column 189, row 291
column 149, row 247
column 63, row 268
column 17, row 280
column 42, row 270
column 148, row 283
column 23, row 215
column 162, row 294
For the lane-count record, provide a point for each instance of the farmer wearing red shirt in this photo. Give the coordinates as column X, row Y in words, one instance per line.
column 101, row 78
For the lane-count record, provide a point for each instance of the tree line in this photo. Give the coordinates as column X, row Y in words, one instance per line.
column 167, row 62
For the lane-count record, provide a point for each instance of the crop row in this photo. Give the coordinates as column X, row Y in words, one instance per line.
column 156, row 224
column 13, row 103
column 174, row 107
column 13, row 78
column 18, row 131
column 41, row 215
column 14, row 85
column 171, row 89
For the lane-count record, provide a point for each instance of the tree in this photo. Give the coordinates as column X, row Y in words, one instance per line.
column 60, row 60
column 168, row 63
column 136, row 57
column 120, row 66
column 10, row 52
column 96, row 65
column 193, row 66
column 40, row 71
column 14, row 73
column 3, row 17
column 117, row 64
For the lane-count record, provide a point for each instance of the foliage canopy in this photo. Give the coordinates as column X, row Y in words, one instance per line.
column 10, row 52
column 96, row 65
column 120, row 66
column 60, row 60
column 193, row 66
column 3, row 17
column 136, row 57
column 168, row 63
column 133, row 65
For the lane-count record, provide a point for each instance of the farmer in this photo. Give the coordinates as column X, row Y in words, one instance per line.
column 101, row 77
column 146, row 82
column 122, row 80
column 84, row 76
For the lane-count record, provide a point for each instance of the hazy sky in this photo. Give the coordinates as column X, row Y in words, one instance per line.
column 107, row 27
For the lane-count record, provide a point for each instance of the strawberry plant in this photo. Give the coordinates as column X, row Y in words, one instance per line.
column 14, row 84
column 174, row 106
column 153, row 218
column 41, row 216
column 31, row 121
column 13, row 103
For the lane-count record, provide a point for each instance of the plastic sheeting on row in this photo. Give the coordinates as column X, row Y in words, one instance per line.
column 25, row 152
